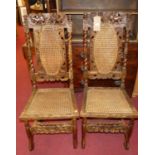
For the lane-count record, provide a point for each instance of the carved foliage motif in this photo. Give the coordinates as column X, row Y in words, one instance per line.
column 106, row 128
column 51, row 128
column 49, row 18
column 116, row 18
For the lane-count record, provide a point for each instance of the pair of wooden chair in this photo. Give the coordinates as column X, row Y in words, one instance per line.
column 54, row 110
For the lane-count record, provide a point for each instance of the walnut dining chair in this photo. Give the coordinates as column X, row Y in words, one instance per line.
column 106, row 109
column 50, row 110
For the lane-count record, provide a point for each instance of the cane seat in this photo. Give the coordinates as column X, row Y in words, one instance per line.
column 107, row 102
column 52, row 103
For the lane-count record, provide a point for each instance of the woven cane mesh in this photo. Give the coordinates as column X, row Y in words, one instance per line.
column 107, row 101
column 105, row 49
column 50, row 103
column 51, row 50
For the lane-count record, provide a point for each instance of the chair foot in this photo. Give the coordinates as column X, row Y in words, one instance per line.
column 128, row 133
column 30, row 136
column 83, row 144
column 31, row 146
column 126, row 146
column 75, row 139
column 83, row 141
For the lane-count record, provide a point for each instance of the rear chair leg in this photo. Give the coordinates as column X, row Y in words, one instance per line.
column 75, row 141
column 128, row 133
column 83, row 142
column 30, row 136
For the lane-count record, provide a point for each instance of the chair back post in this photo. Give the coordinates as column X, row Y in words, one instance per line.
column 85, row 31
column 48, row 6
column 27, row 6
column 70, row 52
column 126, row 41
column 57, row 6
column 29, row 53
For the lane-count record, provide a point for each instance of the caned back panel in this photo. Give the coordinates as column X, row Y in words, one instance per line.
column 105, row 48
column 50, row 50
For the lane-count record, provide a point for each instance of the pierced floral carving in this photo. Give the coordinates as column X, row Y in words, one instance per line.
column 39, row 19
column 115, row 18
column 106, row 127
column 51, row 128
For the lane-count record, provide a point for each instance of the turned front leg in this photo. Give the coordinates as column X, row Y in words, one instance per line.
column 75, row 140
column 128, row 133
column 83, row 143
column 29, row 135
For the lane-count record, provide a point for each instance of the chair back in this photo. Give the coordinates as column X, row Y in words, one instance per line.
column 107, row 45
column 52, row 44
